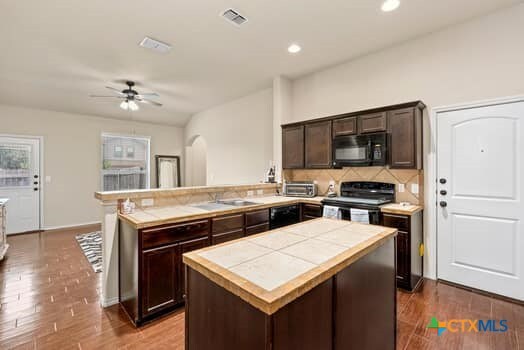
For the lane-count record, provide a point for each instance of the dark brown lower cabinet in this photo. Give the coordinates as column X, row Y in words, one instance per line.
column 355, row 309
column 159, row 279
column 310, row 211
column 151, row 283
column 257, row 222
column 218, row 238
column 186, row 247
column 409, row 248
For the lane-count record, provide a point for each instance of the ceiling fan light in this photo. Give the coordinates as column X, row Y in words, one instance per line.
column 133, row 106
column 124, row 105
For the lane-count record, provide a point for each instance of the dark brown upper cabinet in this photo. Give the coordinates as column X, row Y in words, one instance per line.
column 344, row 126
column 405, row 138
column 308, row 144
column 318, row 144
column 374, row 122
column 293, row 147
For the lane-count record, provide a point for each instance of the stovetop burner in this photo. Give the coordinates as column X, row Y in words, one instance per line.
column 363, row 193
column 349, row 200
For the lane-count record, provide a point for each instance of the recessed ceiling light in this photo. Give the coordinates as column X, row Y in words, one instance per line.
column 294, row 48
column 390, row 5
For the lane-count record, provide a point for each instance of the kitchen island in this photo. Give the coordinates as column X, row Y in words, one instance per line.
column 320, row 284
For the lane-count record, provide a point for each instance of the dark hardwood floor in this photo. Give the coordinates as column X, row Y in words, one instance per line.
column 49, row 298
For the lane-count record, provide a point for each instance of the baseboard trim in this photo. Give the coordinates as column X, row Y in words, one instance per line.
column 108, row 302
column 54, row 228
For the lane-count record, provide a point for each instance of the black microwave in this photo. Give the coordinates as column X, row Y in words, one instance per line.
column 360, row 150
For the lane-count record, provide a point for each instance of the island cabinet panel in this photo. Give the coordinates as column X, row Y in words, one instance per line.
column 219, row 320
column 365, row 299
column 405, row 138
column 159, row 279
column 293, row 147
column 345, row 126
column 310, row 211
column 318, row 144
column 372, row 122
column 306, row 323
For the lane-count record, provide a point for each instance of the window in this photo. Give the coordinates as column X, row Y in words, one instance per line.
column 130, row 152
column 129, row 171
column 118, row 151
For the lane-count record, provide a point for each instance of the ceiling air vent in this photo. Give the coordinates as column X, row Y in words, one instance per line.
column 155, row 45
column 234, row 17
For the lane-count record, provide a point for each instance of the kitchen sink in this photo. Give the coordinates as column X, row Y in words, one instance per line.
column 212, row 206
column 224, row 204
column 237, row 202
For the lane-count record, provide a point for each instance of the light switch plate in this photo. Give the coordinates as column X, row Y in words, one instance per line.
column 148, row 202
column 48, row 179
column 414, row 188
column 259, row 192
column 401, row 187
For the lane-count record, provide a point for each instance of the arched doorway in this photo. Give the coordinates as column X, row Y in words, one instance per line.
column 196, row 162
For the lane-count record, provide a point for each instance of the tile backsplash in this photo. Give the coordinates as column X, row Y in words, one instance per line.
column 411, row 179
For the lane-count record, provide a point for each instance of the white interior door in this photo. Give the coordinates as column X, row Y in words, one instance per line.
column 20, row 182
column 480, row 236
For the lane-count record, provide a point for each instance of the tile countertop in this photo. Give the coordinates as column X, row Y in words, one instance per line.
column 271, row 269
column 397, row 208
column 154, row 216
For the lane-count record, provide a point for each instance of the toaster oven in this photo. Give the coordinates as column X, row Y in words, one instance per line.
column 300, row 189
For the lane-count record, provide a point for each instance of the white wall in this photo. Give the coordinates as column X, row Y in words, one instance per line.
column 238, row 136
column 72, row 153
column 476, row 60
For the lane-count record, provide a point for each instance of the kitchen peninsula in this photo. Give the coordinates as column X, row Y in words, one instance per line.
column 294, row 288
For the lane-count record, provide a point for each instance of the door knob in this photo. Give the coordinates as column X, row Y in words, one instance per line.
column 443, row 192
column 443, row 181
column 443, row 204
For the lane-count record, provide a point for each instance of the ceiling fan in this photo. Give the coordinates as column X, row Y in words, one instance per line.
column 130, row 97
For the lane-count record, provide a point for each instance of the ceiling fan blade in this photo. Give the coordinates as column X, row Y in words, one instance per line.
column 120, row 97
column 149, row 94
column 141, row 100
column 115, row 90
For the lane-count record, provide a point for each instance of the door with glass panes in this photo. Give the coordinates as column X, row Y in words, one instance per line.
column 20, row 182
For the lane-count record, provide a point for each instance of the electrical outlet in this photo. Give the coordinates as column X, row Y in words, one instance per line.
column 414, row 188
column 147, row 202
column 250, row 193
column 332, row 183
column 260, row 192
column 48, row 179
column 401, row 187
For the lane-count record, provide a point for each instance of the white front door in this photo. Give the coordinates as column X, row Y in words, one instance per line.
column 481, row 168
column 20, row 182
